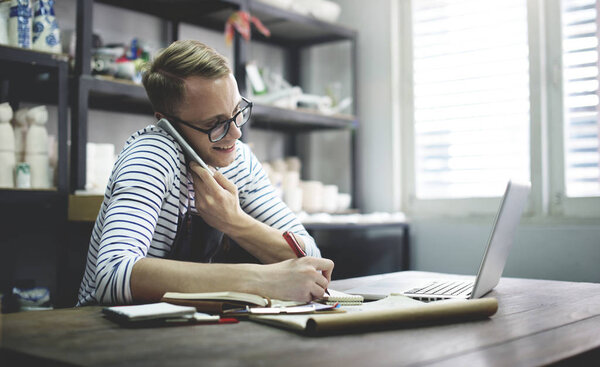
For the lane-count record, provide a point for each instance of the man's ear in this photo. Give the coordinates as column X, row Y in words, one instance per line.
column 158, row 115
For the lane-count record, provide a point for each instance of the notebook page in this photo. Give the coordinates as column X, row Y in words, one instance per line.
column 342, row 298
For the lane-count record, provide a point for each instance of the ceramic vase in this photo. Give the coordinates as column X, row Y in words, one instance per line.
column 46, row 34
column 19, row 23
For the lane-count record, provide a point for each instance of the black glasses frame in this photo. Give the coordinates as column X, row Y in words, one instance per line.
column 226, row 123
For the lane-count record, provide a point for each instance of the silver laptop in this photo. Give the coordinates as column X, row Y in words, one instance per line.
column 499, row 244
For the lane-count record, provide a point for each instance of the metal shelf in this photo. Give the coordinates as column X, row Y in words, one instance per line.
column 114, row 87
column 290, row 27
column 287, row 27
column 207, row 13
column 30, row 57
column 29, row 74
column 115, row 95
column 38, row 77
column 269, row 117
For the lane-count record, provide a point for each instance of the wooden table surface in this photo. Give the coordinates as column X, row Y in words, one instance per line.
column 539, row 322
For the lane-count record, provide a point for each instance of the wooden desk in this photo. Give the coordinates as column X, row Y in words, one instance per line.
column 538, row 322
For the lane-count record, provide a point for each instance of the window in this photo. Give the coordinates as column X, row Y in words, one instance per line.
column 471, row 97
column 580, row 88
column 494, row 90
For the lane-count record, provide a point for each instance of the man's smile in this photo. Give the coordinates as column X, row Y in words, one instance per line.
column 226, row 149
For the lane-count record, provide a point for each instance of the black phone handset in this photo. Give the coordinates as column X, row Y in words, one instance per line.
column 187, row 149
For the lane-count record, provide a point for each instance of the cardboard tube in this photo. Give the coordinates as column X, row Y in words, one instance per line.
column 431, row 313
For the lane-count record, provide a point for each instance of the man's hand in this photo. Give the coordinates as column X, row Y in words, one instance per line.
column 217, row 200
column 303, row 279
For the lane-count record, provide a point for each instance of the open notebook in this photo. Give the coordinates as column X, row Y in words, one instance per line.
column 342, row 298
column 222, row 302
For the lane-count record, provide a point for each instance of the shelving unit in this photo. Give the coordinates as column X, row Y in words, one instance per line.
column 34, row 220
column 290, row 31
column 21, row 74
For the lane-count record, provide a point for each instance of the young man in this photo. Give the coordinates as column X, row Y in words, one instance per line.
column 168, row 225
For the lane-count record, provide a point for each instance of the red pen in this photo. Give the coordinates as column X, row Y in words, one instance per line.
column 290, row 238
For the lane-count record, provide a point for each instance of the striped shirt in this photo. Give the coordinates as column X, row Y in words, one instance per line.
column 149, row 191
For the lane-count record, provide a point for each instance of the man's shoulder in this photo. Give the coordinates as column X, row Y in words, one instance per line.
column 149, row 132
column 152, row 136
column 155, row 148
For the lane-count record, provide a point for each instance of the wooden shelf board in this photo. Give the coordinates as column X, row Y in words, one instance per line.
column 84, row 208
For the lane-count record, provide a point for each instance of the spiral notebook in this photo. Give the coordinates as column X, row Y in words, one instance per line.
column 342, row 298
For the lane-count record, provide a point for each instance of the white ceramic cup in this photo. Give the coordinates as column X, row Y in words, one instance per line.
column 330, row 198
column 343, row 202
column 312, row 196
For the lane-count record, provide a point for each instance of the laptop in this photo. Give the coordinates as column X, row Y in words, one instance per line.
column 499, row 244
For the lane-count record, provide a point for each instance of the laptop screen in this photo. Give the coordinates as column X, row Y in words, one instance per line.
column 502, row 237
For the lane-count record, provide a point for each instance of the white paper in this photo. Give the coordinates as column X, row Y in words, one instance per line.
column 153, row 310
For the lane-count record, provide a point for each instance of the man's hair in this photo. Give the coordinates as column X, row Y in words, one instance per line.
column 164, row 77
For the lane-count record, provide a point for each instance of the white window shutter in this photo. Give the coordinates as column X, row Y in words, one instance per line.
column 471, row 96
column 580, row 73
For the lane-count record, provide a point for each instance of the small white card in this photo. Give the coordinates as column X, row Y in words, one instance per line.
column 149, row 311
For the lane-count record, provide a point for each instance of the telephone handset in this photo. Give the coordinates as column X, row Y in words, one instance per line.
column 187, row 149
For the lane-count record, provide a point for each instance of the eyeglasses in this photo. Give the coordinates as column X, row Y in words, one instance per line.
column 220, row 129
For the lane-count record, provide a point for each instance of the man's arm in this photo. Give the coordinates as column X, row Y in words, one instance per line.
column 218, row 203
column 139, row 185
column 299, row 279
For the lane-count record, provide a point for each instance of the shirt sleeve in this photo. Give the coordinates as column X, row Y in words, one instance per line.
column 259, row 200
column 140, row 181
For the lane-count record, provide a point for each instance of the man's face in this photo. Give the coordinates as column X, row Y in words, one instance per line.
column 206, row 103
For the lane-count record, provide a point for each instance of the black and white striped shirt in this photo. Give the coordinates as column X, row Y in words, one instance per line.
column 148, row 192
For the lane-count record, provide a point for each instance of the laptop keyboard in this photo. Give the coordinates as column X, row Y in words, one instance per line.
column 441, row 290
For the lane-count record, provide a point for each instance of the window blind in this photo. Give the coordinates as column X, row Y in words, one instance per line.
column 471, row 96
column 580, row 85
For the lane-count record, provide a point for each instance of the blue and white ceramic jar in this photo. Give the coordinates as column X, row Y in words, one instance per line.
column 19, row 24
column 46, row 34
